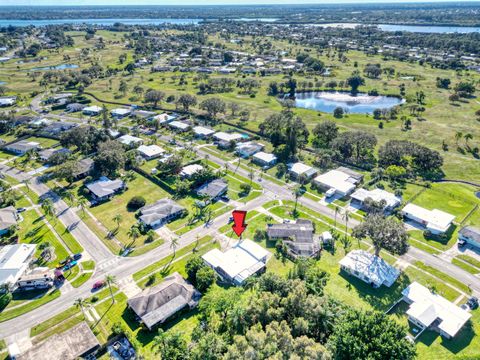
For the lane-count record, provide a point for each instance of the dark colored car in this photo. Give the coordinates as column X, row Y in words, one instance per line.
column 473, row 303
column 77, row 256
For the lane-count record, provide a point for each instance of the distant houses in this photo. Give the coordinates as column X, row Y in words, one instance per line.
column 369, row 268
column 160, row 213
column 179, row 126
column 93, row 110
column 264, row 159
column 430, row 310
column 342, row 180
column 157, row 304
column 22, row 146
column 436, row 221
column 238, row 263
column 120, row 113
column 202, row 132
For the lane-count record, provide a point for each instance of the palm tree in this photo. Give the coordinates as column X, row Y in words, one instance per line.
column 133, row 233
column 150, row 235
column 458, row 136
column 197, row 240
column 111, row 280
column 26, row 182
column 81, row 304
column 251, row 176
column 347, row 217
column 48, row 208
column 467, row 137
column 173, row 246
column 117, row 219
column 82, row 202
column 69, row 196
column 297, row 192
column 336, row 212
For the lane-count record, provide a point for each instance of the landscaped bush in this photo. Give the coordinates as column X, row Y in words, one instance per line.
column 136, row 203
column 5, row 300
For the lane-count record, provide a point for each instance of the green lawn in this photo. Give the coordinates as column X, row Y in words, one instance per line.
column 441, row 275
column 29, row 305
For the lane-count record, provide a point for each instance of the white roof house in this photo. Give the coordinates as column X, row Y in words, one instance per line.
column 179, row 125
column 300, row 169
column 235, row 265
column 120, row 112
column 369, row 268
column 8, row 101
column 14, row 261
column 377, row 195
column 223, row 136
column 92, row 110
column 264, row 158
column 436, row 221
column 130, row 140
column 342, row 182
column 150, row 151
column 426, row 307
column 164, row 118
column 202, row 131
column 189, row 170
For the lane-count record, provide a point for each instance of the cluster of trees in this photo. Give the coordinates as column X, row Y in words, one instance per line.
column 283, row 318
column 310, row 62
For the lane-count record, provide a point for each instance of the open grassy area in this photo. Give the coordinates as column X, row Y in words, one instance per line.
column 29, row 305
column 441, row 275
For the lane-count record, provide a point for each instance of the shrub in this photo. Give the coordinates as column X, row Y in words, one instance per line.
column 136, row 202
column 205, row 278
column 5, row 300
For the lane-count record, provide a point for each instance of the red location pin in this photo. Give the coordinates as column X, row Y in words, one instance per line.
column 239, row 225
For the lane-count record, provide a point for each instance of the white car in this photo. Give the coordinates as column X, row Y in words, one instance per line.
column 330, row 192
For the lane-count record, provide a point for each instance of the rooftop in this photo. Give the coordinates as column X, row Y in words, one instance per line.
column 159, row 211
column 8, row 217
column 150, row 150
column 338, row 180
column 265, row 157
column 189, row 170
column 377, row 195
column 129, row 139
column 435, row 219
column 105, row 187
column 14, row 261
column 470, row 232
column 213, row 188
column 223, row 136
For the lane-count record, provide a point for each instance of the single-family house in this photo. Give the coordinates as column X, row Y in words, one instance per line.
column 164, row 118
column 435, row 221
column 179, row 126
column 248, row 149
column 238, row 263
column 130, row 140
column 189, row 170
column 157, row 304
column 8, row 218
column 93, row 110
column 369, row 268
column 150, row 151
column 343, row 183
column 75, row 107
column 22, row 146
column 265, row 160
column 120, row 113
column 300, row 170
column 389, row 200
column 83, row 168
column 470, row 234
column 7, row 101
column 160, row 212
column 202, row 132
column 104, row 188
column 431, row 310
column 14, row 262
column 298, row 237
column 213, row 190
column 224, row 140
column 55, row 129
column 46, row 154
column 143, row 114
column 74, row 343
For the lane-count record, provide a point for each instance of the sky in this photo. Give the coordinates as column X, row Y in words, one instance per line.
column 196, row 2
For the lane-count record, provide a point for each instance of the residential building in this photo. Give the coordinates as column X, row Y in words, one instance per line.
column 369, row 268
column 430, row 310
column 237, row 264
column 164, row 118
column 77, row 342
column 224, row 139
column 8, row 218
column 104, row 188
column 143, row 114
column 160, row 212
column 75, row 107
column 120, row 113
column 248, row 149
column 55, row 129
column 203, row 132
column 84, row 168
column 189, row 170
column 7, row 101
column 298, row 237
column 264, row 159
column 343, row 183
column 22, row 146
column 130, row 140
column 435, row 221
column 470, row 234
column 157, row 304
column 150, row 151
column 14, row 262
column 213, row 190
column 93, row 110
column 179, row 126
column 300, row 170
column 46, row 154
column 378, row 195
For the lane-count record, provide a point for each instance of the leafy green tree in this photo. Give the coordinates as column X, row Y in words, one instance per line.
column 324, row 133
column 205, row 277
column 170, row 345
column 369, row 335
column 355, row 81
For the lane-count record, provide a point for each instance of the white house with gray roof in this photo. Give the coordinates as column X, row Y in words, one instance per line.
column 160, row 212
column 8, row 218
column 213, row 189
column 104, row 188
column 22, row 146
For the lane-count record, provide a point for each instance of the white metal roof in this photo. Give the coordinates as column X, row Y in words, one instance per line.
column 426, row 307
column 377, row 195
column 301, row 168
column 93, row 108
column 370, row 266
column 223, row 136
column 129, row 139
column 120, row 111
column 179, row 125
column 266, row 157
column 200, row 130
column 435, row 219
column 189, row 170
column 337, row 180
column 14, row 261
column 150, row 150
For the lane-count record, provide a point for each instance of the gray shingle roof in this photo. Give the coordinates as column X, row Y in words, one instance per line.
column 8, row 217
column 105, row 187
column 301, row 231
column 471, row 232
column 155, row 305
column 213, row 189
column 159, row 211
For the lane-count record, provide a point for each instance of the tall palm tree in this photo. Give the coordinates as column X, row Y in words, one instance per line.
column 458, row 136
column 173, row 246
column 69, row 196
column 48, row 208
column 336, row 213
column 111, row 280
column 82, row 202
column 297, row 192
column 80, row 302
column 133, row 233
column 26, row 182
column 118, row 219
column 197, row 240
column 251, row 175
column 347, row 217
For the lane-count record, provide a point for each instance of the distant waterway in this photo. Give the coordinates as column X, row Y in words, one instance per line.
column 409, row 28
column 104, row 22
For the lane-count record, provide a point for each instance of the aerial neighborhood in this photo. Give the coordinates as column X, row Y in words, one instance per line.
column 240, row 182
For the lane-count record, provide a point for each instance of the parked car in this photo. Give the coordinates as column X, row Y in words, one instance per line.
column 461, row 243
column 77, row 256
column 330, row 192
column 70, row 265
column 20, row 210
column 98, row 285
column 473, row 303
